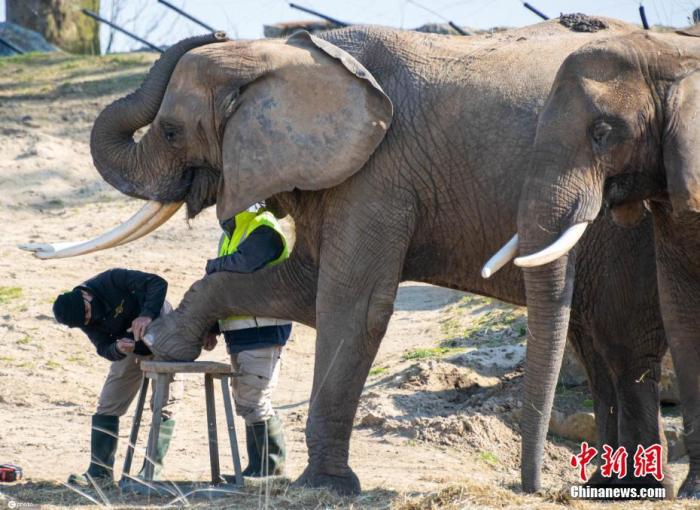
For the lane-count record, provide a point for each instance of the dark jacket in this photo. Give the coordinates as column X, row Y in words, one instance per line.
column 262, row 246
column 119, row 297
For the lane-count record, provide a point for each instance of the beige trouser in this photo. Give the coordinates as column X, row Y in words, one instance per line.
column 123, row 384
column 252, row 390
column 124, row 381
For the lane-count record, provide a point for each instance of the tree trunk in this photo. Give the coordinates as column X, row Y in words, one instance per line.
column 61, row 22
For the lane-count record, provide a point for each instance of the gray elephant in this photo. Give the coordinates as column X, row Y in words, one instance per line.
column 621, row 130
column 399, row 156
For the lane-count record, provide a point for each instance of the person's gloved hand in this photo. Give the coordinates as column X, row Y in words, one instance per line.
column 213, row 265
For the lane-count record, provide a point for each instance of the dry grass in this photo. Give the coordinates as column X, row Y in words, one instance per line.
column 277, row 494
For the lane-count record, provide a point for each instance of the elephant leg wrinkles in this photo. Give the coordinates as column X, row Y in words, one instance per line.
column 356, row 292
column 678, row 272
column 284, row 291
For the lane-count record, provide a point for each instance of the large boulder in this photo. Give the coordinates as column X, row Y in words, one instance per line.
column 572, row 372
column 576, row 427
column 24, row 39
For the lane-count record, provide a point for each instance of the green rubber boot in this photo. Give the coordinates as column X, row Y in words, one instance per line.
column 103, row 446
column 164, row 437
column 265, row 461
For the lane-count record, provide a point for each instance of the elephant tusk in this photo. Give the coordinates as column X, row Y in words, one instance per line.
column 555, row 250
column 146, row 220
column 501, row 258
column 161, row 216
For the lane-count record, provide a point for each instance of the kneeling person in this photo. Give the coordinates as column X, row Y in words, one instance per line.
column 255, row 343
column 113, row 309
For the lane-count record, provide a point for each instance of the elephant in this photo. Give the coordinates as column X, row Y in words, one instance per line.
column 398, row 156
column 620, row 132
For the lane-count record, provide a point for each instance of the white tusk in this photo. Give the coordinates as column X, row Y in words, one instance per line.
column 147, row 219
column 154, row 222
column 555, row 250
column 501, row 258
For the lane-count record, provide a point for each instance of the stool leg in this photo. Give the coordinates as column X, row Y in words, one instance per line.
column 231, row 431
column 162, row 381
column 135, row 427
column 211, row 425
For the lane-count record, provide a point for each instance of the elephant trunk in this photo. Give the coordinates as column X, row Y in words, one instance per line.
column 119, row 159
column 549, row 289
column 551, row 204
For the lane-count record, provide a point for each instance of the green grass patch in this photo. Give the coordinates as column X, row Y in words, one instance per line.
column 52, row 365
column 435, row 352
column 498, row 325
column 35, row 76
column 377, row 371
column 7, row 294
column 588, row 403
column 26, row 339
column 7, row 359
column 489, row 458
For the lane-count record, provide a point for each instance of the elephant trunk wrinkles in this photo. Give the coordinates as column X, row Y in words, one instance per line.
column 549, row 290
column 115, row 153
column 552, row 201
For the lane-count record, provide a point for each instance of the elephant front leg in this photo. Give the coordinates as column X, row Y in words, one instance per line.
column 604, row 396
column 358, row 279
column 346, row 346
column 678, row 272
column 285, row 291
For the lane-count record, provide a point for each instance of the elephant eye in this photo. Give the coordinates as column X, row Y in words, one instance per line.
column 170, row 132
column 599, row 133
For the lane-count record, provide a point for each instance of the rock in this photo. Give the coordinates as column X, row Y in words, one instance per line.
column 372, row 419
column 572, row 372
column 676, row 443
column 577, row 427
column 578, row 22
column 25, row 40
column 669, row 383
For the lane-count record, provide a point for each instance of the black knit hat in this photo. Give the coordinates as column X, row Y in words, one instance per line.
column 69, row 308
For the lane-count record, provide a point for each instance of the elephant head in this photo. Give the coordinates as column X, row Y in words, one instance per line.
column 620, row 126
column 233, row 123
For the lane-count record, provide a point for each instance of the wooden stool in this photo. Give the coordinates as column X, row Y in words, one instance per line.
column 161, row 372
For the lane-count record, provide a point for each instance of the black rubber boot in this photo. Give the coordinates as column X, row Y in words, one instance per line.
column 264, row 461
column 164, row 436
column 103, row 446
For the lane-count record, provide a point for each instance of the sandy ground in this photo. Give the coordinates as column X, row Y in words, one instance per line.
column 437, row 424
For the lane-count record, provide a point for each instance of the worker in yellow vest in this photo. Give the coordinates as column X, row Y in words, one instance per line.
column 255, row 344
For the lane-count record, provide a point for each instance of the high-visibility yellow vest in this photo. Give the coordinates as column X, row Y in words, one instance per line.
column 246, row 223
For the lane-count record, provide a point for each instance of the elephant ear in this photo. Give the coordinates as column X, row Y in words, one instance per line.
column 309, row 122
column 682, row 145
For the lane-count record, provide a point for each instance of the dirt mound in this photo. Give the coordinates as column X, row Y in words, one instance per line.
column 433, row 375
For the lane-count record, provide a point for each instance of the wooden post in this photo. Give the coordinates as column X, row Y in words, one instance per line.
column 211, row 427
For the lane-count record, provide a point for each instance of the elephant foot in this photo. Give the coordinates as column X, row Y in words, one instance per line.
column 598, row 480
column 344, row 484
column 691, row 487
